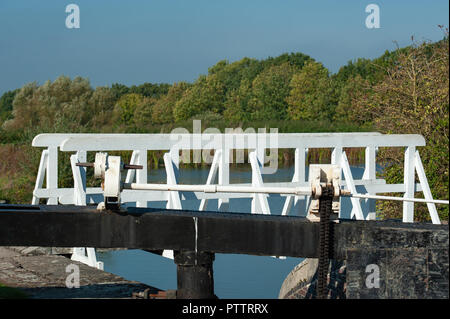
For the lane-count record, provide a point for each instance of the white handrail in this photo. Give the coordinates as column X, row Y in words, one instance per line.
column 258, row 142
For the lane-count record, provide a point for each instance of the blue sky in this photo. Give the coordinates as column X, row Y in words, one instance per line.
column 139, row 41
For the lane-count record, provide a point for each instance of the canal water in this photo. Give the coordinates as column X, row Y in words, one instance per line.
column 235, row 275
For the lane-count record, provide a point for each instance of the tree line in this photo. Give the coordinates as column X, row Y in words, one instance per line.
column 290, row 87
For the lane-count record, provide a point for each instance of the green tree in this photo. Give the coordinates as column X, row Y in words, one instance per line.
column 150, row 89
column 269, row 91
column 6, row 105
column 413, row 98
column 101, row 105
column 237, row 103
column 207, row 94
column 143, row 113
column 61, row 105
column 310, row 94
column 163, row 108
column 295, row 59
column 125, row 107
column 119, row 89
column 352, row 91
column 232, row 74
column 25, row 111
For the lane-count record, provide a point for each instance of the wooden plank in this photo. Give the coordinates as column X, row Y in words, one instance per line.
column 158, row 229
column 154, row 229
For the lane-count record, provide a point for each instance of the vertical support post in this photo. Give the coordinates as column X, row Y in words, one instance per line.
column 370, row 174
column 195, row 279
column 300, row 163
column 86, row 255
column 79, row 182
column 52, row 174
column 304, row 179
column 131, row 173
column 299, row 176
column 82, row 157
column 224, row 177
column 171, row 164
column 259, row 201
column 336, row 155
column 336, row 159
column 409, row 181
column 141, row 174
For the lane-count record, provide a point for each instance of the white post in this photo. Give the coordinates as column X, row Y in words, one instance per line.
column 336, row 155
column 259, row 201
column 82, row 157
column 336, row 159
column 131, row 173
column 171, row 164
column 370, row 174
column 79, row 182
column 141, row 174
column 85, row 255
column 303, row 179
column 224, row 177
column 299, row 176
column 409, row 181
column 52, row 173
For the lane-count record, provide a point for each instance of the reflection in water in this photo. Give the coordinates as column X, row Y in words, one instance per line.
column 235, row 276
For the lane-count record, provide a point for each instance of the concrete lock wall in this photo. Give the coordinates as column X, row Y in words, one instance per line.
column 396, row 261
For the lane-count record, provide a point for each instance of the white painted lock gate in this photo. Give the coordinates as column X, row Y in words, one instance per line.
column 222, row 144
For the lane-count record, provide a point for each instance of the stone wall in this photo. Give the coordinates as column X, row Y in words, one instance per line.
column 380, row 260
column 45, row 276
column 302, row 281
